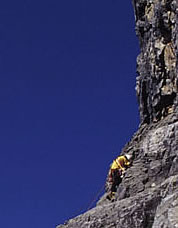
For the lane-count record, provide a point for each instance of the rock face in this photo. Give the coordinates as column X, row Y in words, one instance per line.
column 148, row 194
column 156, row 26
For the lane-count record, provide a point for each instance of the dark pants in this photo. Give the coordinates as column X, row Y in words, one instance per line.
column 113, row 180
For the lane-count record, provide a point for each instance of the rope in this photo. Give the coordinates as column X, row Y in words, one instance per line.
column 95, row 198
column 90, row 204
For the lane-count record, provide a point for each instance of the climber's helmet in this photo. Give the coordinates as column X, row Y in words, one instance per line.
column 128, row 156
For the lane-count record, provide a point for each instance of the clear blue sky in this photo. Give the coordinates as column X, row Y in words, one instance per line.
column 68, row 104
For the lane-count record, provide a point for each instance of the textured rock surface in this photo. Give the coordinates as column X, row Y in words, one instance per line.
column 156, row 26
column 148, row 194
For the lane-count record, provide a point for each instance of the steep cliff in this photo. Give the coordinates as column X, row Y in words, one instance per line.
column 148, row 194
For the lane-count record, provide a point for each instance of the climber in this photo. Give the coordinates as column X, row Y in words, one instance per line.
column 116, row 173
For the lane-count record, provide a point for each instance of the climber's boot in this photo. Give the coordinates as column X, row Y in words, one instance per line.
column 111, row 196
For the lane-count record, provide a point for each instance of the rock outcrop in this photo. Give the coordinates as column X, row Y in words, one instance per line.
column 156, row 26
column 148, row 194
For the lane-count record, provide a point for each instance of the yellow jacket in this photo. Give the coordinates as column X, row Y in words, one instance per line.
column 120, row 162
